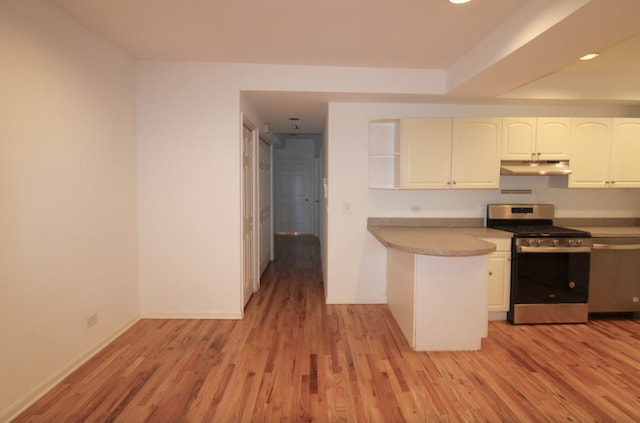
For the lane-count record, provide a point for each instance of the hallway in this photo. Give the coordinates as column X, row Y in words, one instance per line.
column 293, row 358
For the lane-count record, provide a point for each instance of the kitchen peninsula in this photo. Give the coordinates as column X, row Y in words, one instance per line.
column 437, row 279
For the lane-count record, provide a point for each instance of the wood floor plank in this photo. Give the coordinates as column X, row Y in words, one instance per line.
column 294, row 358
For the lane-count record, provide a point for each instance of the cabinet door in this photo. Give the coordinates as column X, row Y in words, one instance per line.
column 475, row 154
column 553, row 137
column 518, row 138
column 425, row 153
column 499, row 281
column 590, row 146
column 625, row 153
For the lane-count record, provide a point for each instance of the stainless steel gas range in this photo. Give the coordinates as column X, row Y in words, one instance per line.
column 549, row 266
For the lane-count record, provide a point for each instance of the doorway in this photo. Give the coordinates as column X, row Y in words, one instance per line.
column 257, row 216
column 297, row 186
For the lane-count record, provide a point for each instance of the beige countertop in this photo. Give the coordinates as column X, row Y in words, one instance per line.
column 438, row 241
column 466, row 237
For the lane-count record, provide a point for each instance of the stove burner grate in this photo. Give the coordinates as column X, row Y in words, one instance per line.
column 542, row 231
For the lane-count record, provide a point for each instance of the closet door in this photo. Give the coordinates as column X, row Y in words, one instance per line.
column 264, row 200
column 248, row 205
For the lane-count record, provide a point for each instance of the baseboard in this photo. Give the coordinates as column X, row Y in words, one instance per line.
column 357, row 300
column 45, row 386
column 497, row 315
column 194, row 315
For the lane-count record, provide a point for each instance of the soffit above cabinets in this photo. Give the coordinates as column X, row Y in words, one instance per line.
column 488, row 51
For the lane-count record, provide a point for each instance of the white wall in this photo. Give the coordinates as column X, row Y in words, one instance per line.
column 324, row 210
column 68, row 245
column 189, row 191
column 357, row 261
column 188, row 117
column 189, row 178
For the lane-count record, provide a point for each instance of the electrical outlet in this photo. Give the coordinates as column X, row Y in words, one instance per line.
column 415, row 209
column 92, row 320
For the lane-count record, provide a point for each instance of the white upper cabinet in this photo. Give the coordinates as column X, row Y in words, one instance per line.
column 590, row 152
column 553, row 138
column 434, row 153
column 475, row 153
column 465, row 153
column 445, row 153
column 425, row 153
column 605, row 153
column 518, row 138
column 536, row 138
column 625, row 153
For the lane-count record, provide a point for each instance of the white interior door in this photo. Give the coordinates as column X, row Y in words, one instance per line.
column 294, row 197
column 266, row 227
column 248, row 241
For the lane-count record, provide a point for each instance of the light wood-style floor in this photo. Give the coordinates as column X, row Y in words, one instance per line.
column 295, row 359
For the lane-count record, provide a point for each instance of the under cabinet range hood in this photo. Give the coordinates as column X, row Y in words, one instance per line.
column 539, row 167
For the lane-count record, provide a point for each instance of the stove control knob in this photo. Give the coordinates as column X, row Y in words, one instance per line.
column 530, row 242
column 570, row 243
column 539, row 242
column 579, row 242
column 555, row 242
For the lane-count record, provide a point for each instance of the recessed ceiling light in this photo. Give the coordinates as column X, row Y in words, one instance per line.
column 589, row 56
column 459, row 1
column 294, row 118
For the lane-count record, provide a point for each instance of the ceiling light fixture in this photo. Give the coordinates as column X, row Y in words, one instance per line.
column 589, row 56
column 459, row 1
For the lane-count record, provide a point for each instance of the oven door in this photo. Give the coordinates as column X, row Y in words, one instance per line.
column 550, row 285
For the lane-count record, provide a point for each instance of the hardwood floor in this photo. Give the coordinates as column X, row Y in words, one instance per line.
column 294, row 359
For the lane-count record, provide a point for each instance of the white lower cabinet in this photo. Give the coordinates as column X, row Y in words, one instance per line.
column 499, row 283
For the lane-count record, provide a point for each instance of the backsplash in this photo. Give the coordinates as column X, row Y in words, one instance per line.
column 425, row 221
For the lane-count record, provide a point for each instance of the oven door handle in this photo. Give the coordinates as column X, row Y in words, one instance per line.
column 616, row 246
column 524, row 249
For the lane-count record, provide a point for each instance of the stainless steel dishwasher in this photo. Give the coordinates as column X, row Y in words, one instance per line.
column 614, row 277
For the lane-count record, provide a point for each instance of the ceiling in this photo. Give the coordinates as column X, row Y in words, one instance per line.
column 491, row 50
